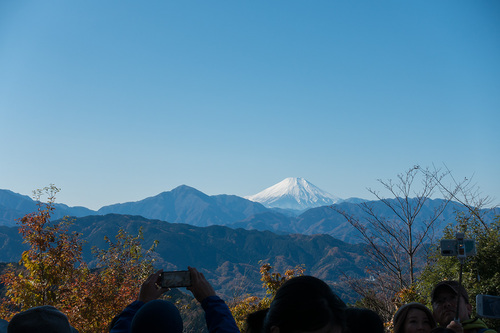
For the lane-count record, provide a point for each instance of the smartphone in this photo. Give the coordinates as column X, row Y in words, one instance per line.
column 488, row 306
column 453, row 247
column 175, row 279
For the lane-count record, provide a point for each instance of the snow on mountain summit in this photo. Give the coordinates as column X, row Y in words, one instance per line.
column 293, row 193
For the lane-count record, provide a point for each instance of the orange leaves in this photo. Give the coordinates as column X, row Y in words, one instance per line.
column 408, row 295
column 271, row 281
column 53, row 273
column 103, row 292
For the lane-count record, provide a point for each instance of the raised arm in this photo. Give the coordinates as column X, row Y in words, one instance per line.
column 217, row 315
column 149, row 291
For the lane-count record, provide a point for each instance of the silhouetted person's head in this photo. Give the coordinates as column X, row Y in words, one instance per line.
column 255, row 321
column 157, row 316
column 363, row 320
column 305, row 304
column 42, row 319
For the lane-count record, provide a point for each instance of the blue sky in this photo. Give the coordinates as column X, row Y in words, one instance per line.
column 116, row 101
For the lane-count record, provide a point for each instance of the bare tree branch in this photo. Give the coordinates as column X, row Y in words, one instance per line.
column 395, row 241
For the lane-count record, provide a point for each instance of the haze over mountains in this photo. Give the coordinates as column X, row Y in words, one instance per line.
column 229, row 257
column 226, row 235
column 199, row 230
column 185, row 204
column 290, row 196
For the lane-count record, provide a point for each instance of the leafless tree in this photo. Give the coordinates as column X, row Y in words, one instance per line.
column 373, row 294
column 465, row 192
column 395, row 241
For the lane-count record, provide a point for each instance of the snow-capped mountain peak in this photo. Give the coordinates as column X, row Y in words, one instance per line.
column 293, row 193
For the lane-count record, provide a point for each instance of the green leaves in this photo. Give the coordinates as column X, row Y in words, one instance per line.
column 53, row 272
column 481, row 273
column 271, row 281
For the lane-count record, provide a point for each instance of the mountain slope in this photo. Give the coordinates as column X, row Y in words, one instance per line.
column 185, row 204
column 14, row 206
column 293, row 193
column 230, row 258
column 326, row 220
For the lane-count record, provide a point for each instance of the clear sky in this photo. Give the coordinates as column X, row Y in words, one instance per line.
column 115, row 101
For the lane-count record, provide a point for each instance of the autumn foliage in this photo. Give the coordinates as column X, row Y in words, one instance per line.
column 271, row 281
column 53, row 272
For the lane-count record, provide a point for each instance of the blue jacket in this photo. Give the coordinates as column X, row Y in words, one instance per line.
column 217, row 316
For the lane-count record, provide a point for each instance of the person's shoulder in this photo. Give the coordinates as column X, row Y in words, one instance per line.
column 3, row 325
column 477, row 325
column 211, row 300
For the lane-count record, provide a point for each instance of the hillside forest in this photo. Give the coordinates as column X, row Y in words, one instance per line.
column 402, row 262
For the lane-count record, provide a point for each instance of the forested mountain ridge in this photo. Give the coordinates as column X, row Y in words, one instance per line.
column 185, row 204
column 231, row 258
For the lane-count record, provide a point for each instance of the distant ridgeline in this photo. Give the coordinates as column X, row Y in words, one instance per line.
column 230, row 256
column 226, row 235
column 185, row 204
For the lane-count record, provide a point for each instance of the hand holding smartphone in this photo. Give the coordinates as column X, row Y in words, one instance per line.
column 175, row 279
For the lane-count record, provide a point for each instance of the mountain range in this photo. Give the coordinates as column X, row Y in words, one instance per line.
column 230, row 258
column 14, row 206
column 227, row 236
column 291, row 196
column 185, row 204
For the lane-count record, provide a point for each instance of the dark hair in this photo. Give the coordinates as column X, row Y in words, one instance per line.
column 304, row 303
column 442, row 330
column 157, row 316
column 255, row 321
column 402, row 313
column 363, row 320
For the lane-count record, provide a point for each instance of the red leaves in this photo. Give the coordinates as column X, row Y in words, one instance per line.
column 53, row 272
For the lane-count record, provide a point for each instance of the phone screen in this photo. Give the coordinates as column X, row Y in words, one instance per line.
column 175, row 279
column 488, row 306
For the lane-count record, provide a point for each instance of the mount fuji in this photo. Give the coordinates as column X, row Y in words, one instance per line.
column 295, row 194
